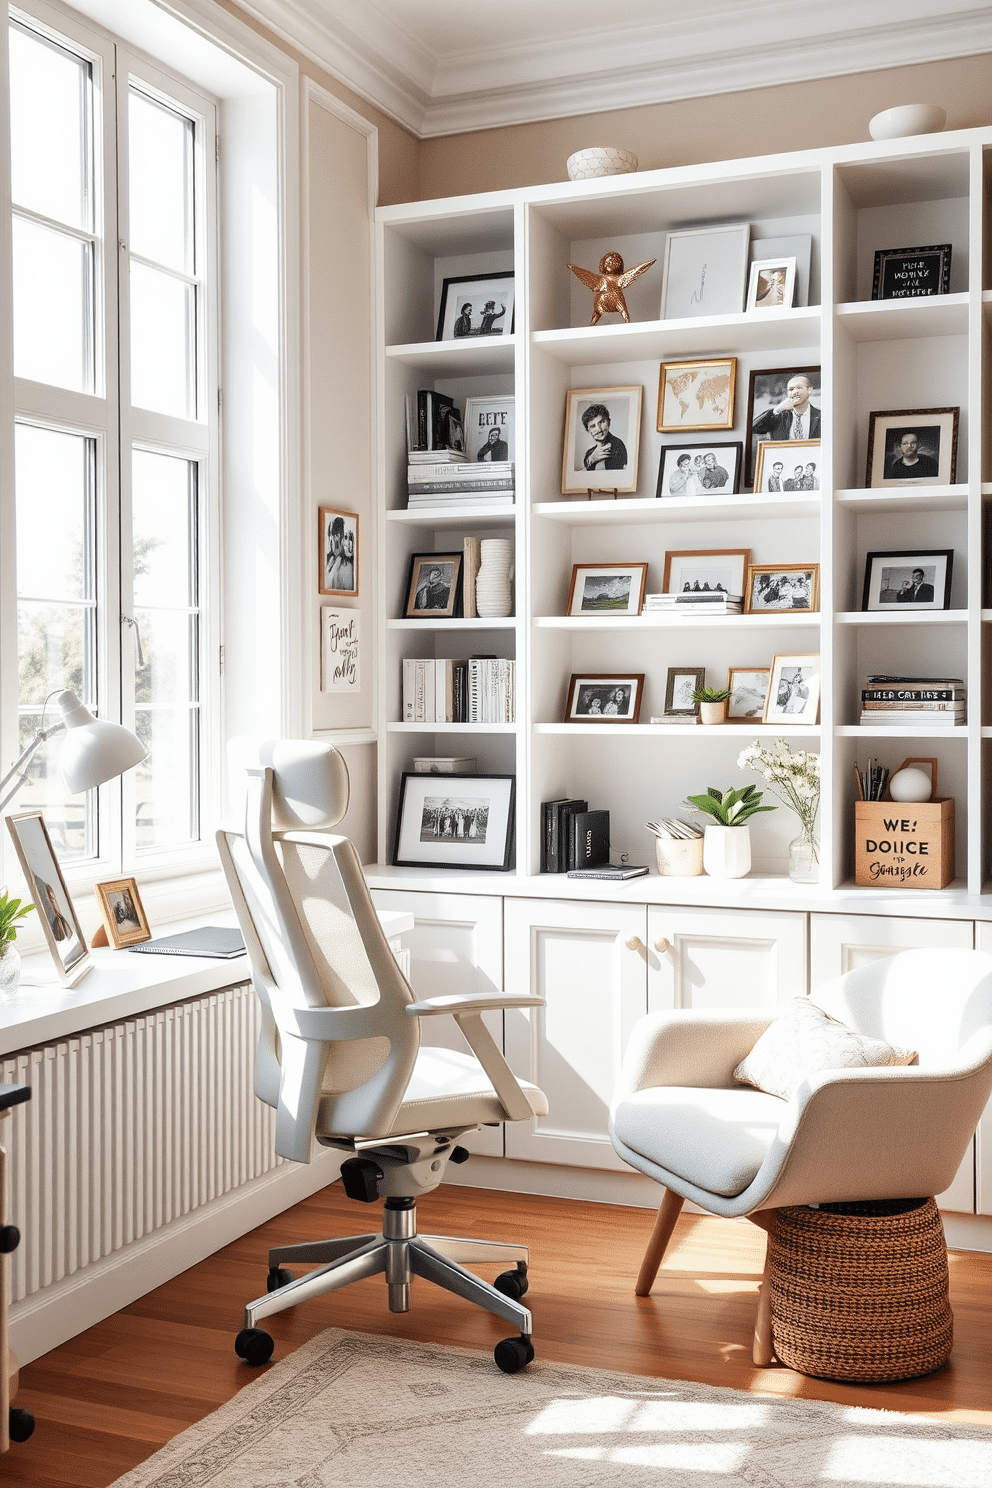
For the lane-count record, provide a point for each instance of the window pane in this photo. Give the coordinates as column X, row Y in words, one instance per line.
column 168, row 641
column 50, row 130
column 163, row 527
column 162, row 342
column 53, row 307
column 54, row 513
column 165, row 782
column 160, row 153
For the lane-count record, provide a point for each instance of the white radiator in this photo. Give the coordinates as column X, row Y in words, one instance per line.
column 129, row 1128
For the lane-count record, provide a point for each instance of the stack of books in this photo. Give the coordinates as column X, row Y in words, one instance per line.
column 440, row 477
column 434, row 423
column 698, row 602
column 444, row 690
column 913, row 702
column 572, row 836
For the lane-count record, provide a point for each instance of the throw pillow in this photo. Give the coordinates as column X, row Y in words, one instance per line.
column 804, row 1039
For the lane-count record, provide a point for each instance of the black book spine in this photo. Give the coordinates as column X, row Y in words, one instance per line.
column 565, row 845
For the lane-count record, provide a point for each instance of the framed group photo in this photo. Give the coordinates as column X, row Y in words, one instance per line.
column 782, row 587
column 607, row 589
column 793, row 689
column 435, row 586
column 455, row 821
column 696, row 395
column 908, row 580
column 787, row 465
column 912, row 446
column 56, row 912
column 602, row 436
column 748, row 691
column 122, row 913
column 604, row 697
column 783, row 405
column 705, row 271
column 706, row 571
column 490, row 429
column 772, row 284
column 338, row 548
column 476, row 305
column 700, row 469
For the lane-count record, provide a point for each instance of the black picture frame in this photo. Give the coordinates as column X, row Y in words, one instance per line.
column 887, row 574
column 424, row 599
column 766, row 389
column 475, row 291
column 911, row 273
column 455, row 821
column 672, row 456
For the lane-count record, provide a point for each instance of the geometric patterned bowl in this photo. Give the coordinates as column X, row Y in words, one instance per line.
column 600, row 160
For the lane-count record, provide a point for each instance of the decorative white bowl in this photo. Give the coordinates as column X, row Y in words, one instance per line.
column 907, row 118
column 600, row 160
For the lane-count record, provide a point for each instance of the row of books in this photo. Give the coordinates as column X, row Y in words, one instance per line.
column 909, row 702
column 440, row 481
column 572, row 836
column 706, row 601
column 480, row 689
column 434, row 423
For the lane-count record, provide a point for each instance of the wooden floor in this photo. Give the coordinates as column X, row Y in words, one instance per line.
column 109, row 1398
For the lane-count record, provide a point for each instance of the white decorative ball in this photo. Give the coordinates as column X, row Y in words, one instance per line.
column 906, row 119
column 910, row 785
column 600, row 160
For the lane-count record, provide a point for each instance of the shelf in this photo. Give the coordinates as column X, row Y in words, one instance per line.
column 915, row 617
column 502, row 622
column 453, row 516
column 918, row 731
column 457, row 358
column 654, row 340
column 639, row 509
column 678, row 621
column 904, row 499
column 897, row 320
column 451, row 728
column 662, row 730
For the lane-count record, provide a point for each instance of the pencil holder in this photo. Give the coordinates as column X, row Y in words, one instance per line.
column 679, row 857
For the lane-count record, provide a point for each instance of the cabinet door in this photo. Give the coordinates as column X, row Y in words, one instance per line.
column 456, row 946
column 575, row 956
column 838, row 943
column 712, row 958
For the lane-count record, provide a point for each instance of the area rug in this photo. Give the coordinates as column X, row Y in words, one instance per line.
column 353, row 1411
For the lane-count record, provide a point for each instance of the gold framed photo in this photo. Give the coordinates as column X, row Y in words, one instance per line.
column 697, row 395
column 787, row 465
column 338, row 544
column 782, row 586
column 706, row 571
column 122, row 912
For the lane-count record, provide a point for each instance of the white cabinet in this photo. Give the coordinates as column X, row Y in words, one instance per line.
column 703, row 958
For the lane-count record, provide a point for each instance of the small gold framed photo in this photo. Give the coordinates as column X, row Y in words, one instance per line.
column 123, row 914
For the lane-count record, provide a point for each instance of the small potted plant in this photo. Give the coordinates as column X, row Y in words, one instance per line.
column 712, row 704
column 11, row 910
column 727, row 840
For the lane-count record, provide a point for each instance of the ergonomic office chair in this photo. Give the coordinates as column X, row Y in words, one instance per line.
column 340, row 1055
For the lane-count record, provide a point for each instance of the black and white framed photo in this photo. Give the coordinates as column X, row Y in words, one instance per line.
column 338, row 548
column 782, row 586
column 794, row 245
column 788, row 465
column 476, row 305
column 680, row 684
column 705, row 271
column 912, row 446
column 908, row 580
column 46, row 886
column 455, row 821
column 604, row 697
column 783, row 404
column 793, row 689
column 435, row 587
column 607, row 588
column 748, row 690
column 696, row 395
column 602, row 437
column 700, row 469
column 771, row 284
column 490, row 429
column 907, row 273
column 706, row 571
column 122, row 912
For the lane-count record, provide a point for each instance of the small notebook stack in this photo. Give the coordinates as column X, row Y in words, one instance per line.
column 694, row 602
column 913, row 702
column 443, row 481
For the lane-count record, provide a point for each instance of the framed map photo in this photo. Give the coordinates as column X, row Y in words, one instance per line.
column 696, row 395
column 908, row 273
column 793, row 689
column 607, row 589
column 908, row 580
column 912, row 446
column 783, row 403
column 788, row 465
column 706, row 571
column 782, row 586
column 748, row 691
column 490, row 429
column 700, row 469
column 476, row 305
column 602, row 435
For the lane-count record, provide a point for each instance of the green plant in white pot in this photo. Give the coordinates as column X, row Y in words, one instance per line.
column 11, row 911
column 727, row 839
column 712, row 703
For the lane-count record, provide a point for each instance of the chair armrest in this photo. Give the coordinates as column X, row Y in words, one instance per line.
column 430, row 1007
column 696, row 1047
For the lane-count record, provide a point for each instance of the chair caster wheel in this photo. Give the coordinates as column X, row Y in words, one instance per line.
column 512, row 1284
column 254, row 1346
column 278, row 1277
column 513, row 1354
column 20, row 1424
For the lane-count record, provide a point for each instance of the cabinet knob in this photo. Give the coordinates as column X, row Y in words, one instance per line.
column 662, row 945
column 635, row 943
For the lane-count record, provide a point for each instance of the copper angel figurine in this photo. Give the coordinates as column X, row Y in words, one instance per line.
column 609, row 284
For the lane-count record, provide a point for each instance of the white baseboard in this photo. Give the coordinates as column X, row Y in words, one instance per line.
column 595, row 1185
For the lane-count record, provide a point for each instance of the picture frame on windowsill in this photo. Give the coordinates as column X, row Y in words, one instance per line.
column 47, row 888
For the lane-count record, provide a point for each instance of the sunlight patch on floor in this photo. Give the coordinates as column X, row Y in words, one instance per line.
column 868, row 1459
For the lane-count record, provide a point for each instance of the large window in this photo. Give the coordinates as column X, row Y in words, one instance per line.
column 114, row 405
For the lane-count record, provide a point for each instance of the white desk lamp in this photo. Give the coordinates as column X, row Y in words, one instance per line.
column 93, row 750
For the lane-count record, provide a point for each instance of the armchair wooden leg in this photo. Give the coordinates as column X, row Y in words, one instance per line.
column 762, row 1348
column 668, row 1212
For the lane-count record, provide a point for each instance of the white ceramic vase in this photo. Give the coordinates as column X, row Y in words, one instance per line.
column 493, row 592
column 727, row 851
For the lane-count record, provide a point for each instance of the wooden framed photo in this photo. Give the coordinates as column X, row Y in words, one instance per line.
column 122, row 912
column 782, row 586
column 705, row 271
column 435, row 587
column 700, row 469
column 775, row 396
column 490, row 429
column 338, row 548
column 787, row 465
column 455, row 821
column 908, row 580
column 907, row 273
column 602, row 436
column 680, row 684
column 793, row 689
column 912, row 446
column 696, row 395
column 607, row 589
column 706, row 571
column 772, row 284
column 748, row 691
column 46, row 886
column 476, row 305
column 604, row 697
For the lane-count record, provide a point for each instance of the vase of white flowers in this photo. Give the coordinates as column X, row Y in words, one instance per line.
column 794, row 776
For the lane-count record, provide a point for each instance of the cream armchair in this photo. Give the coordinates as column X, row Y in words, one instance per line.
column 846, row 1134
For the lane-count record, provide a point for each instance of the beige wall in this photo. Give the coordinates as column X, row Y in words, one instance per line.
column 762, row 121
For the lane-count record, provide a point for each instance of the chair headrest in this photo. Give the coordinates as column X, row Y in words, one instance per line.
column 310, row 785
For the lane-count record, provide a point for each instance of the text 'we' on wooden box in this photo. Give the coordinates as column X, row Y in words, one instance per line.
column 904, row 844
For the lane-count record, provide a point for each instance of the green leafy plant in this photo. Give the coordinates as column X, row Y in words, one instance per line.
column 711, row 694
column 11, row 910
column 729, row 808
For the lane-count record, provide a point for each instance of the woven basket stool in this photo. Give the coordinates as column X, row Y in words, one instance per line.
column 859, row 1291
